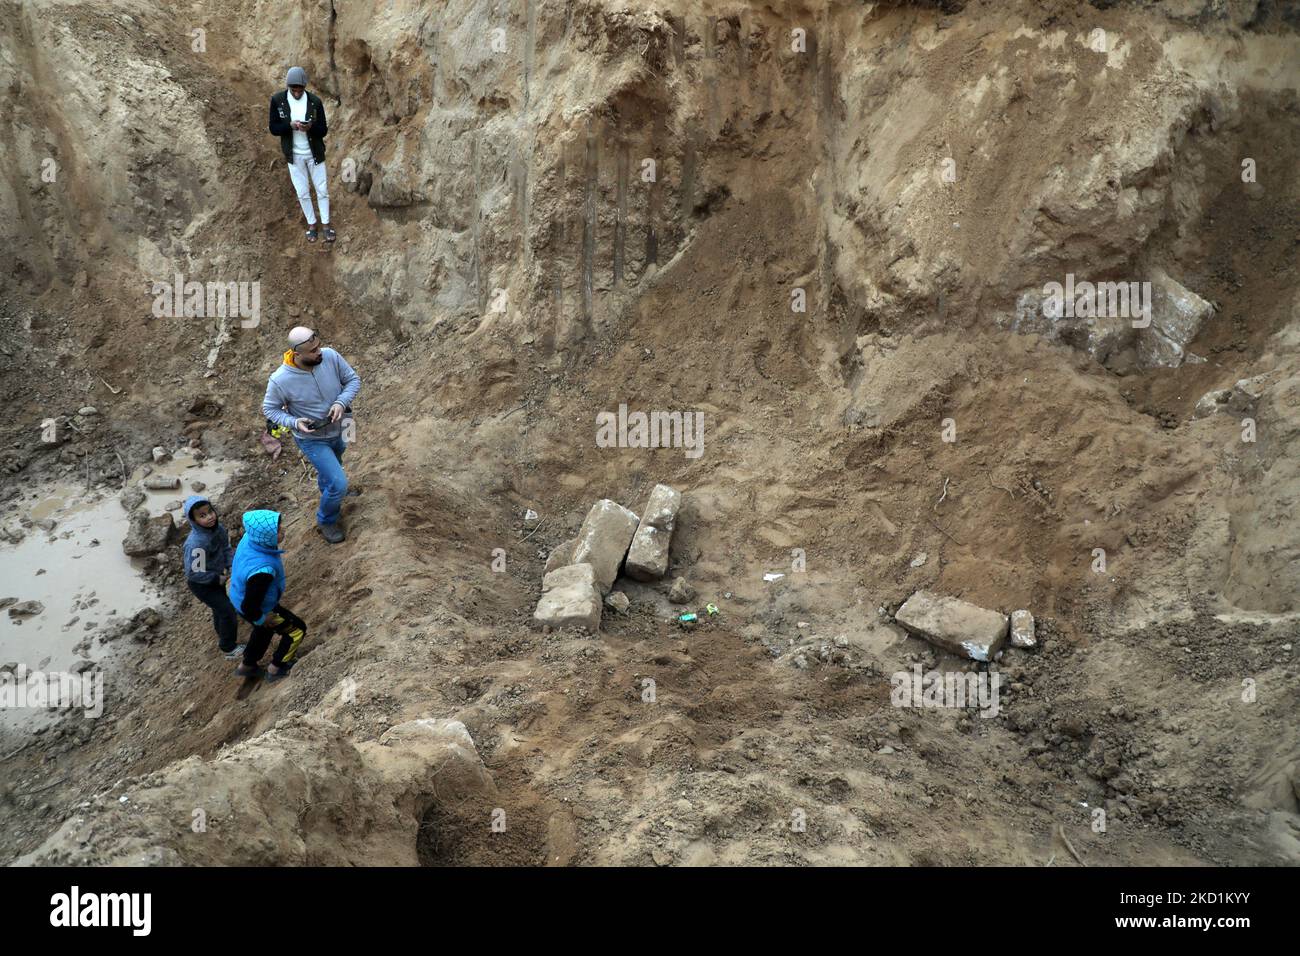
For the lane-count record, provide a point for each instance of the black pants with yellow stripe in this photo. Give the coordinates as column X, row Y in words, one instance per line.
column 280, row 621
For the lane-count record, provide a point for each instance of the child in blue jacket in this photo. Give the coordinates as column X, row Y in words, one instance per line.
column 207, row 563
column 256, row 585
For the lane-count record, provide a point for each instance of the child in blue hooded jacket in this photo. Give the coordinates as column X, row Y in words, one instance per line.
column 207, row 562
column 256, row 585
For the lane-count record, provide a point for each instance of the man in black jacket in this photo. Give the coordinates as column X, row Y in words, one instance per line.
column 298, row 118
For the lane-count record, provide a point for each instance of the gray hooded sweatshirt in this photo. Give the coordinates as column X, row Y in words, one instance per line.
column 293, row 393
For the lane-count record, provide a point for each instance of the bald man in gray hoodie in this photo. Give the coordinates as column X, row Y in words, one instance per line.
column 311, row 394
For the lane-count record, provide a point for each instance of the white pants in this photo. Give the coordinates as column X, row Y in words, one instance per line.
column 305, row 173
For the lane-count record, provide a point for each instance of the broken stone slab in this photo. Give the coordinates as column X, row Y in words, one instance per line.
column 162, row 483
column 603, row 541
column 1110, row 334
column 957, row 626
column 562, row 555
column 1022, row 630
column 1177, row 314
column 570, row 598
column 148, row 535
column 647, row 558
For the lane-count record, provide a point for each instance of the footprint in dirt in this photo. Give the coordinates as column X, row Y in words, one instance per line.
column 247, row 686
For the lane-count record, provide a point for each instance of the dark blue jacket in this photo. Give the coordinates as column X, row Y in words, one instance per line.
column 207, row 551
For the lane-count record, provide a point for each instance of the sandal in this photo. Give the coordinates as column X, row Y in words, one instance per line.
column 330, row 234
column 311, row 234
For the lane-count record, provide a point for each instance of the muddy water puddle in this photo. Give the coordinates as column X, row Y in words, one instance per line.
column 77, row 571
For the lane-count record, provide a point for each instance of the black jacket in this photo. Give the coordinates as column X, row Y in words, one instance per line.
column 281, row 124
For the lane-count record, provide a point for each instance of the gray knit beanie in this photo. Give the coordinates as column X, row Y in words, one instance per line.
column 297, row 77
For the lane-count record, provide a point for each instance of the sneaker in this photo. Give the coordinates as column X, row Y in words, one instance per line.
column 234, row 653
column 333, row 533
column 280, row 673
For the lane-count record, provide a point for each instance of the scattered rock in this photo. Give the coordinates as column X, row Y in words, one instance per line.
column 618, row 601
column 160, row 455
column 197, row 485
column 681, row 591
column 920, row 559
column 603, row 540
column 132, row 498
column 148, row 535
column 1241, row 399
column 87, row 411
column 1211, row 402
column 956, row 626
column 647, row 558
column 1022, row 629
column 570, row 598
column 1246, row 393
column 26, row 608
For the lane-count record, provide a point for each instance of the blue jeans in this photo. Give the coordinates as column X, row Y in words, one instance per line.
column 326, row 456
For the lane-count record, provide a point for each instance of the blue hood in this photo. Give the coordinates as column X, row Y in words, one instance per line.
column 192, row 502
column 262, row 529
column 213, row 542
